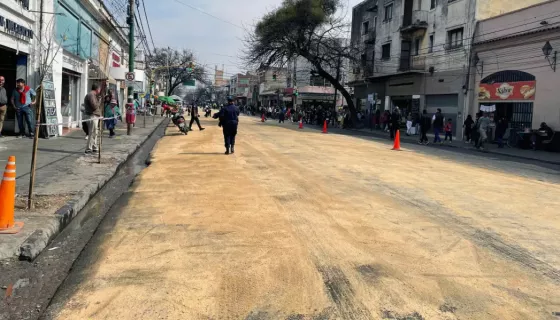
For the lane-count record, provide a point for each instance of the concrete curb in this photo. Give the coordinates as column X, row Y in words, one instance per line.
column 39, row 240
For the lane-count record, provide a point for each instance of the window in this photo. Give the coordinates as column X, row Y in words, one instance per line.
column 365, row 27
column 455, row 38
column 432, row 4
column 416, row 47
column 388, row 12
column 386, row 51
column 431, row 44
column 374, row 22
column 363, row 58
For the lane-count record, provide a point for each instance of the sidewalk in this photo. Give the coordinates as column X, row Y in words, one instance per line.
column 538, row 155
column 65, row 180
column 491, row 148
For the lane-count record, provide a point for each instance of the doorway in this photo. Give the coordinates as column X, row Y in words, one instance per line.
column 70, row 100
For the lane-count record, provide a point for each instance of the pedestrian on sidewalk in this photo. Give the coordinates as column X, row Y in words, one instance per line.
column 468, row 126
column 437, row 121
column 194, row 117
column 229, row 120
column 23, row 99
column 395, row 122
column 92, row 112
column 130, row 111
column 3, row 103
column 483, row 124
column 111, row 111
column 501, row 128
column 425, row 123
column 449, row 130
column 409, row 124
column 281, row 117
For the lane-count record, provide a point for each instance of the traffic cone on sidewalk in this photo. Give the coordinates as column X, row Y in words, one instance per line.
column 397, row 144
column 8, row 199
column 300, row 124
column 325, row 126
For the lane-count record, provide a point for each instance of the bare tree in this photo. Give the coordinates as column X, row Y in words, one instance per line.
column 308, row 29
column 176, row 66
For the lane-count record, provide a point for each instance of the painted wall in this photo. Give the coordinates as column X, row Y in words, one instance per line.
column 491, row 8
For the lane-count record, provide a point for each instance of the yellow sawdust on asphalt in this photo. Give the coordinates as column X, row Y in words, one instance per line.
column 299, row 225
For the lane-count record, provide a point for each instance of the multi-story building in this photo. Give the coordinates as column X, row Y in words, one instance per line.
column 239, row 87
column 415, row 54
column 312, row 89
column 272, row 85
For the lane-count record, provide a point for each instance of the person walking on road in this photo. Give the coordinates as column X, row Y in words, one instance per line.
column 425, row 124
column 23, row 99
column 3, row 103
column 468, row 126
column 438, row 120
column 92, row 110
column 194, row 117
column 229, row 119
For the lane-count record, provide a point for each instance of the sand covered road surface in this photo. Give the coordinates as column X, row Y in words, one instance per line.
column 302, row 225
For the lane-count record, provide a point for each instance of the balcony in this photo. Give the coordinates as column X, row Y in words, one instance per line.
column 418, row 20
column 369, row 38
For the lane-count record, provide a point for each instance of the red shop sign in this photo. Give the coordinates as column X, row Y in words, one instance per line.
column 116, row 60
column 522, row 90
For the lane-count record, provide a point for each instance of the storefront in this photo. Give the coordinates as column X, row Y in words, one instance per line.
column 73, row 89
column 15, row 46
column 510, row 95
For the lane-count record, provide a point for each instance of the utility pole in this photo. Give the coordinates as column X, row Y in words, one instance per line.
column 130, row 21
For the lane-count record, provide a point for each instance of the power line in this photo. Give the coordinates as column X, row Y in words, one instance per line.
column 209, row 14
column 148, row 23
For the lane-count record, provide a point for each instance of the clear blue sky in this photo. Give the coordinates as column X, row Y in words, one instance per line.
column 213, row 40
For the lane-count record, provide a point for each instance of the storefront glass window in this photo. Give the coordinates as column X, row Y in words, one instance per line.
column 85, row 41
column 66, row 28
column 95, row 48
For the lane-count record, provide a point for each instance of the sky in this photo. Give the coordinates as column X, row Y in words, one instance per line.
column 213, row 31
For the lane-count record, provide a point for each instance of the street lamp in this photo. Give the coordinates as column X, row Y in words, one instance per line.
column 547, row 50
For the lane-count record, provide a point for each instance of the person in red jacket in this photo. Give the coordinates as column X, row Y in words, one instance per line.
column 449, row 130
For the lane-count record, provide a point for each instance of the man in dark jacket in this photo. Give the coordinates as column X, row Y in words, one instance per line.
column 395, row 122
column 425, row 124
column 229, row 119
column 194, row 117
column 438, row 121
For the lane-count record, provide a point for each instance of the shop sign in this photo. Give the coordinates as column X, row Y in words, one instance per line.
column 521, row 90
column 72, row 64
column 49, row 107
column 15, row 29
column 116, row 59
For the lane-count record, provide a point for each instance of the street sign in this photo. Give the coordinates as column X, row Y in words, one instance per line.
column 129, row 76
column 190, row 83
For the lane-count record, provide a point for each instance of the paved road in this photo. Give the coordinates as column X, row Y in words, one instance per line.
column 301, row 225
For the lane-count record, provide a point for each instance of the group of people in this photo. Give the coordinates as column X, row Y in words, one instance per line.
column 94, row 108
column 23, row 100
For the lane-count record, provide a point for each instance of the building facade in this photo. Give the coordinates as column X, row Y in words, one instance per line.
column 18, row 23
column 416, row 54
column 514, row 70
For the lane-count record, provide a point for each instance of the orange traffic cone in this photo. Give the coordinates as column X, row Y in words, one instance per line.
column 397, row 144
column 325, row 126
column 262, row 118
column 8, row 198
column 300, row 123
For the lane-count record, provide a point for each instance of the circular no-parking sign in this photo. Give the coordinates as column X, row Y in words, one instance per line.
column 129, row 76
